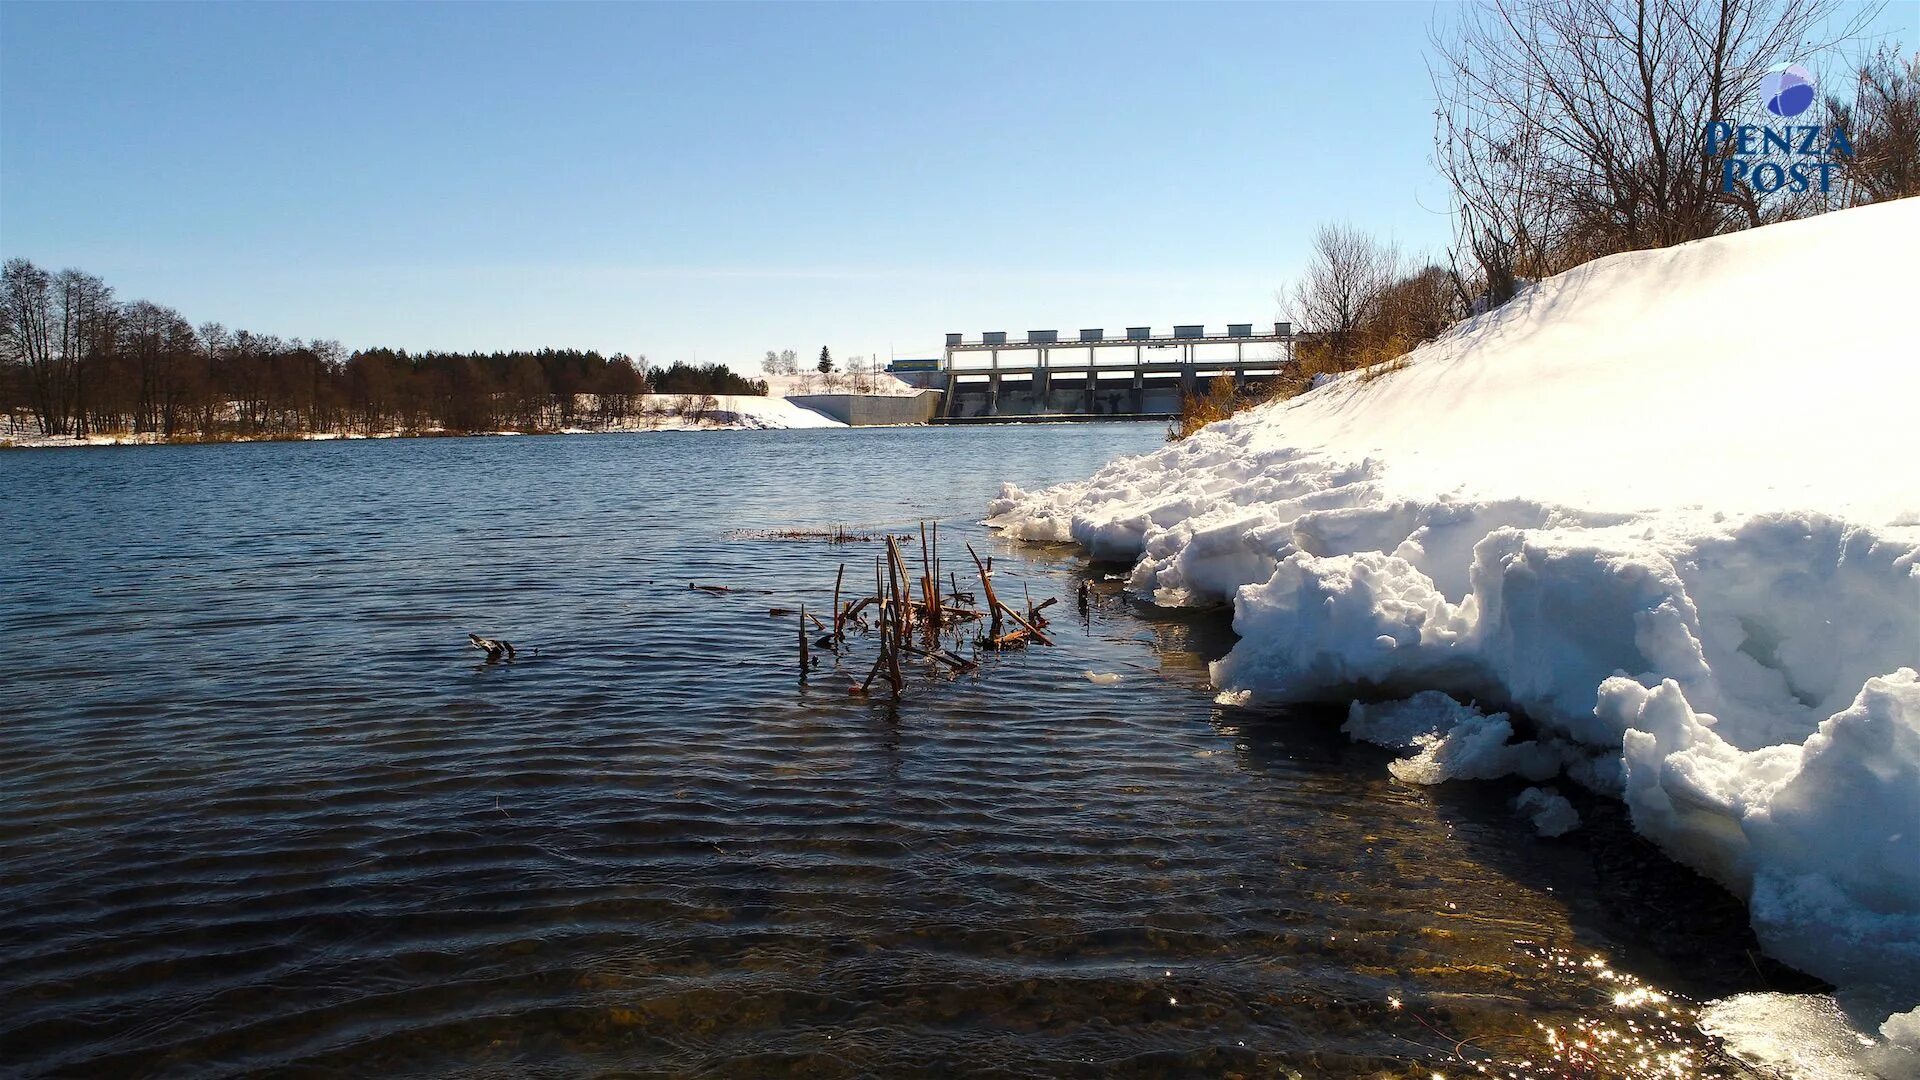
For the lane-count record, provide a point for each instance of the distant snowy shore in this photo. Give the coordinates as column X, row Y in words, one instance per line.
column 659, row 412
column 1658, row 519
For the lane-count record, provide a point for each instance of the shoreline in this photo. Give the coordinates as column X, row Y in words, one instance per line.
column 122, row 440
column 129, row 439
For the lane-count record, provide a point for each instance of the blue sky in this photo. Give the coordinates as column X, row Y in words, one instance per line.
column 707, row 180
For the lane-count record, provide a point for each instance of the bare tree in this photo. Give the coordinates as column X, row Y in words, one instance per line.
column 157, row 344
column 26, row 331
column 859, row 375
column 1505, row 198
column 1883, row 120
column 85, row 322
column 1572, row 129
column 1341, row 290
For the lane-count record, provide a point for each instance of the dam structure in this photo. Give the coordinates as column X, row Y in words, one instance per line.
column 1138, row 375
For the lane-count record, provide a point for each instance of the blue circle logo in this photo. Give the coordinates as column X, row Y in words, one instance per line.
column 1787, row 92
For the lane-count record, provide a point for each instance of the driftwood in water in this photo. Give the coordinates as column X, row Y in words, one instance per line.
column 722, row 590
column 496, row 650
column 959, row 663
column 783, row 612
column 1033, row 610
column 1027, row 626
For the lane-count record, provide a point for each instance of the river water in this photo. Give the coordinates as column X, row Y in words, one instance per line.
column 263, row 810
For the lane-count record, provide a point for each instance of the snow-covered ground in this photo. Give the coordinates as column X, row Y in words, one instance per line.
column 1665, row 510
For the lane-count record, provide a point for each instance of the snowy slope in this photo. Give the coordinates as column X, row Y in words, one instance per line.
column 1728, row 373
column 738, row 411
column 771, row 412
column 1666, row 507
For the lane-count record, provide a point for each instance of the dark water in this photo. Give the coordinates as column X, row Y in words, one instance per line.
column 263, row 811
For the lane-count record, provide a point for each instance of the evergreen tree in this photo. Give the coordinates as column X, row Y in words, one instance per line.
column 826, row 361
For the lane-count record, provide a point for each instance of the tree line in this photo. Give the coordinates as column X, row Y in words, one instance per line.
column 75, row 360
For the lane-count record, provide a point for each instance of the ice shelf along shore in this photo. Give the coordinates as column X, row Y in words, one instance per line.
column 1662, row 511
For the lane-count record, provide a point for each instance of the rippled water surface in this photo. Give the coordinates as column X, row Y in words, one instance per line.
column 263, row 810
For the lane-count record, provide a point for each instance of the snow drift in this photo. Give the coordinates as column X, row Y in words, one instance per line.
column 741, row 411
column 1664, row 508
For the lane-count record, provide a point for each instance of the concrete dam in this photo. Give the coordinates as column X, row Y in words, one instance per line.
column 1140, row 375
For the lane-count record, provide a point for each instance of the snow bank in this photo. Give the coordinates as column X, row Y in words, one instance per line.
column 1665, row 507
column 735, row 411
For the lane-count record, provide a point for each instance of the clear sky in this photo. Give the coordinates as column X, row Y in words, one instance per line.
column 707, row 181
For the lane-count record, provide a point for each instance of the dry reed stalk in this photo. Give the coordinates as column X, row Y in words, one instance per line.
column 837, row 636
column 929, row 597
column 902, row 591
column 901, row 626
column 986, row 588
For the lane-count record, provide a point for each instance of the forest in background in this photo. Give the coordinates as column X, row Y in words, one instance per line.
column 79, row 361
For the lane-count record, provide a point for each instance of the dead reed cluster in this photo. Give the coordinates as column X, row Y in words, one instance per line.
column 910, row 614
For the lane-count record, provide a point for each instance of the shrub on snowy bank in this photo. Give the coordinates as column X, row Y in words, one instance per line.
column 1361, row 308
column 1621, row 506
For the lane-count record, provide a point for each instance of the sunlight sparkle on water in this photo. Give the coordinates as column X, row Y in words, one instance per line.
column 1633, row 1030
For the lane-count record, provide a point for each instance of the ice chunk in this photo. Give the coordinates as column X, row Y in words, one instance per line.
column 1811, row 1037
column 1454, row 741
column 1400, row 725
column 1550, row 812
